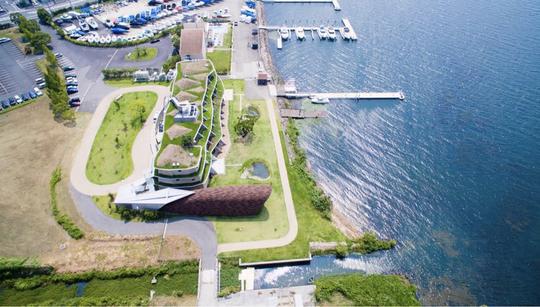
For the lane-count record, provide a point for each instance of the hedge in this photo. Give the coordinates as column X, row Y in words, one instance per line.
column 62, row 219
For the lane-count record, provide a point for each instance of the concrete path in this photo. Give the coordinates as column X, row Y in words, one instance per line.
column 291, row 214
column 141, row 153
column 197, row 229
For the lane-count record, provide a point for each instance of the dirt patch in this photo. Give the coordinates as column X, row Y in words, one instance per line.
column 185, row 300
column 200, row 77
column 176, row 131
column 33, row 144
column 186, row 83
column 185, row 96
column 195, row 67
column 108, row 253
column 175, row 154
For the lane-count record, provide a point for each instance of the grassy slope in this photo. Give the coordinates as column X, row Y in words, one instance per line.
column 272, row 222
column 366, row 290
column 110, row 162
column 227, row 39
column 221, row 60
column 151, row 52
column 311, row 225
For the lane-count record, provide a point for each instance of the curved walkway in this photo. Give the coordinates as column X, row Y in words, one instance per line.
column 198, row 229
column 289, row 204
column 141, row 153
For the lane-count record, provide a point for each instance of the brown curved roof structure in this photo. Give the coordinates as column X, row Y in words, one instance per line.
column 241, row 200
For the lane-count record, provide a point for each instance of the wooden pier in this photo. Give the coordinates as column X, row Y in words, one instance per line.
column 353, row 95
column 300, row 114
column 335, row 3
column 345, row 21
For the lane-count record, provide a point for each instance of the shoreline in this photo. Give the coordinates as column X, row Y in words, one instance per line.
column 338, row 219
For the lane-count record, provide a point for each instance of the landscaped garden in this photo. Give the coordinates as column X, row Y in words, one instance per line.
column 142, row 54
column 272, row 222
column 110, row 158
column 221, row 59
column 365, row 290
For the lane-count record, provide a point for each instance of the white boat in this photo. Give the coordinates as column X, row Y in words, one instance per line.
column 319, row 100
column 346, row 33
column 321, row 31
column 102, row 40
column 91, row 39
column 84, row 26
column 108, row 39
column 300, row 33
column 331, row 33
column 114, row 38
column 92, row 23
column 284, row 33
column 279, row 43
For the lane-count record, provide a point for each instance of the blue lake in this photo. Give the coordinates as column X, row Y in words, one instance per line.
column 453, row 172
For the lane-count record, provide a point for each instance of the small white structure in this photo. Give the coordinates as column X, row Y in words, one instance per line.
column 142, row 195
column 290, row 86
column 247, row 279
column 141, row 76
column 187, row 111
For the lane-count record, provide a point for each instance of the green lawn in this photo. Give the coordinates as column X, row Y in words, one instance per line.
column 221, row 60
column 227, row 38
column 110, row 157
column 311, row 225
column 104, row 203
column 365, row 290
column 140, row 54
column 272, row 222
column 130, row 82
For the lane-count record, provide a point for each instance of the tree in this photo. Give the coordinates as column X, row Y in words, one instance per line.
column 39, row 41
column 186, row 141
column 44, row 16
column 15, row 17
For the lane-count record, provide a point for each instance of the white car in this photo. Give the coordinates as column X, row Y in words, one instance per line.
column 18, row 98
column 38, row 91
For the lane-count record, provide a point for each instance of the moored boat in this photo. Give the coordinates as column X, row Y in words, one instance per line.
column 92, row 23
column 319, row 100
column 284, row 33
column 321, row 31
column 300, row 33
column 331, row 33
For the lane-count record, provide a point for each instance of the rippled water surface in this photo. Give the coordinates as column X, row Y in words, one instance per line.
column 452, row 172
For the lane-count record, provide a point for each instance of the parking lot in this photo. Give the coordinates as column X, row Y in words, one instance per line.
column 17, row 71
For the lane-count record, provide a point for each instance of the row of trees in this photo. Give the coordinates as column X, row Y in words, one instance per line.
column 32, row 33
column 56, row 88
column 118, row 73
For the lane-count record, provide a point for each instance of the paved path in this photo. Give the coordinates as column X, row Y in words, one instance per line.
column 141, row 153
column 198, row 229
column 291, row 214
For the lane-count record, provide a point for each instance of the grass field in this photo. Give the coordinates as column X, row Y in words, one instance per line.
column 110, row 158
column 16, row 37
column 130, row 82
column 272, row 222
column 221, row 60
column 311, row 225
column 227, row 39
column 142, row 54
column 33, row 144
column 365, row 290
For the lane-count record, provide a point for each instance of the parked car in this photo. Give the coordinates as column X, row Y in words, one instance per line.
column 68, row 68
column 58, row 55
column 72, row 83
column 75, row 102
column 154, row 41
column 39, row 80
column 12, row 101
column 72, row 79
column 4, row 40
column 72, row 90
column 38, row 92
column 70, row 76
column 25, row 97
column 5, row 104
column 255, row 32
column 18, row 98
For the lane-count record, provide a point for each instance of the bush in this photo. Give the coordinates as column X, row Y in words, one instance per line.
column 342, row 250
column 62, row 219
column 118, row 73
column 170, row 63
column 178, row 293
column 96, row 301
column 144, row 215
column 369, row 243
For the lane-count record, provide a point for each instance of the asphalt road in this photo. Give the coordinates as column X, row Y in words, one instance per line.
column 198, row 229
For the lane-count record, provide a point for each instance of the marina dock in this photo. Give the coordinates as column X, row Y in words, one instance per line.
column 313, row 29
column 335, row 3
column 344, row 95
column 300, row 113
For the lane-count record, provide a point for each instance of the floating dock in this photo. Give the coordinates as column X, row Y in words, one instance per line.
column 299, row 113
column 352, row 95
column 345, row 21
column 335, row 3
column 347, row 24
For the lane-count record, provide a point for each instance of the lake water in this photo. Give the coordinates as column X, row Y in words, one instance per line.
column 453, row 172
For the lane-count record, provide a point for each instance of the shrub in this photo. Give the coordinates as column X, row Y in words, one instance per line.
column 170, row 63
column 368, row 243
column 342, row 250
column 62, row 219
